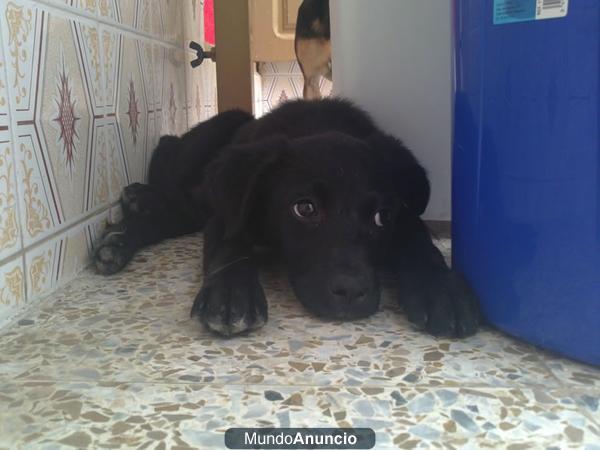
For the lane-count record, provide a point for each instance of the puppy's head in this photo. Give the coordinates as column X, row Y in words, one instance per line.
column 332, row 203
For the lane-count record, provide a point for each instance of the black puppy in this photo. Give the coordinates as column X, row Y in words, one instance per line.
column 316, row 180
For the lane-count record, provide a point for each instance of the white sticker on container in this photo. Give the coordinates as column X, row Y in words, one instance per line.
column 509, row 11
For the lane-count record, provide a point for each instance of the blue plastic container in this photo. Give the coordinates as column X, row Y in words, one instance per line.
column 526, row 171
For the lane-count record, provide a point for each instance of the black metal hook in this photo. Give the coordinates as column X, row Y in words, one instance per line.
column 201, row 54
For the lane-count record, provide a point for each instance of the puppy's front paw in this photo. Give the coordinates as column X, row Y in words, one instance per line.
column 113, row 252
column 232, row 301
column 445, row 306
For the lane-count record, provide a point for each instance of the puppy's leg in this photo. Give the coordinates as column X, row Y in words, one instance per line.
column 121, row 241
column 435, row 297
column 231, row 300
column 142, row 200
column 170, row 204
column 314, row 57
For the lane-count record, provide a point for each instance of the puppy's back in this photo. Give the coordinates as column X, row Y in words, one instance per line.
column 302, row 118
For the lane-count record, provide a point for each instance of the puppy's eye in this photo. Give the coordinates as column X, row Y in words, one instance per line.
column 305, row 209
column 382, row 217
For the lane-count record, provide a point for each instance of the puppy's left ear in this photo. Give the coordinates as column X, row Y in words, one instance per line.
column 235, row 179
column 398, row 164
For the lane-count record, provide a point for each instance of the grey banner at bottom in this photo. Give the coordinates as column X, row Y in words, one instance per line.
column 300, row 438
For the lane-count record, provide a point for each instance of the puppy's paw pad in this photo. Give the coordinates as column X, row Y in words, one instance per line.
column 112, row 253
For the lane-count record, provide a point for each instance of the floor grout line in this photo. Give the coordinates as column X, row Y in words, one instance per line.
column 217, row 383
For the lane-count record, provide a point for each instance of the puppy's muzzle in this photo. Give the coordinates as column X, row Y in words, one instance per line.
column 349, row 297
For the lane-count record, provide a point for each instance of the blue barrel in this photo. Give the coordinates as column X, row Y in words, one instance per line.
column 526, row 168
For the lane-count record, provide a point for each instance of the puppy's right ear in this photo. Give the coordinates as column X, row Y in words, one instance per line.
column 234, row 180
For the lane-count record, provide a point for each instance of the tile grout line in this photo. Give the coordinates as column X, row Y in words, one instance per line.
column 69, row 226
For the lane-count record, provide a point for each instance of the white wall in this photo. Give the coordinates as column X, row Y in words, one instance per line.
column 393, row 57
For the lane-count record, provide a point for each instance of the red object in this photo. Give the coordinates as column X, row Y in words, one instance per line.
column 209, row 22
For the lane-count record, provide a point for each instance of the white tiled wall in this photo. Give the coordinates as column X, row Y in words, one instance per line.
column 283, row 81
column 86, row 89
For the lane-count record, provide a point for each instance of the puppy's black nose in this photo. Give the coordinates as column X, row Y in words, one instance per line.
column 347, row 289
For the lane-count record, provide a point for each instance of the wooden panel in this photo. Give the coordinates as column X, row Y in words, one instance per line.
column 234, row 67
column 272, row 29
column 287, row 12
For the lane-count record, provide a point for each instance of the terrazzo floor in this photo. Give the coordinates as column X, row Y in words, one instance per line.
column 117, row 363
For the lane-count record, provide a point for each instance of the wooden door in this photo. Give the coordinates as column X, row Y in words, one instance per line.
column 247, row 32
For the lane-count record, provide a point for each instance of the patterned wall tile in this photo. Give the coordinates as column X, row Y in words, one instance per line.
column 61, row 258
column 10, row 238
column 193, row 21
column 10, row 230
column 40, row 206
column 83, row 103
column 4, row 118
column 127, row 11
column 98, row 189
column 151, row 20
column 171, row 14
column 59, row 2
column 88, row 43
column 77, row 245
column 88, row 6
column 201, row 101
column 66, row 119
column 144, row 19
column 280, row 88
column 145, row 57
column 158, row 75
column 111, row 58
column 110, row 9
column 283, row 81
column 152, row 137
column 132, row 111
column 206, row 95
column 41, row 267
column 12, row 289
column 193, row 96
column 174, row 115
column 22, row 26
column 109, row 139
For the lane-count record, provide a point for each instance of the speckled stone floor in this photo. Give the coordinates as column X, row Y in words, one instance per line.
column 117, row 363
